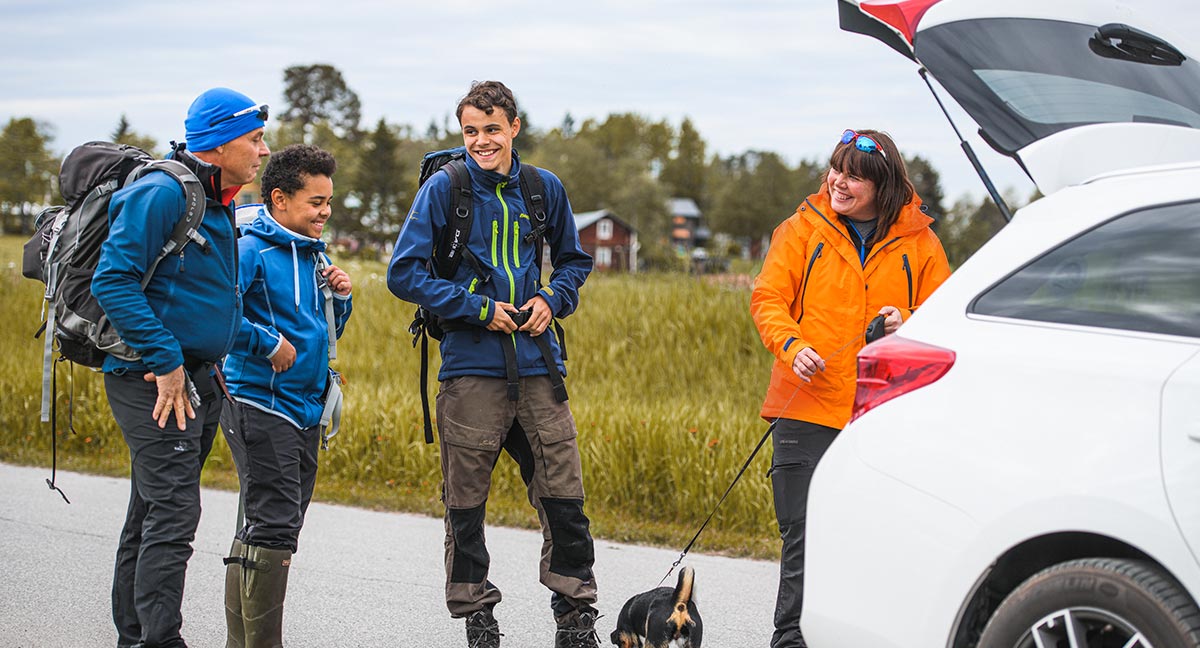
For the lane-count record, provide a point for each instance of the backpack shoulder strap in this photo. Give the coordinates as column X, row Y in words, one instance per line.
column 327, row 293
column 533, row 190
column 453, row 246
column 186, row 227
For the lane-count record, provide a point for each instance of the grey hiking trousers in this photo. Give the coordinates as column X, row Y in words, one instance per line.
column 164, row 509
column 798, row 447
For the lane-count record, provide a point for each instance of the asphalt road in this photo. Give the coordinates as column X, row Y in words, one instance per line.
column 361, row 578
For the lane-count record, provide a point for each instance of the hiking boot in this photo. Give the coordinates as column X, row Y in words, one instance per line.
column 577, row 629
column 482, row 630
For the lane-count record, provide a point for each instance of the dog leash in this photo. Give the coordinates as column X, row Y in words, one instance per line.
column 875, row 330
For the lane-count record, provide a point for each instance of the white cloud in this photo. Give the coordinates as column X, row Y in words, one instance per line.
column 751, row 74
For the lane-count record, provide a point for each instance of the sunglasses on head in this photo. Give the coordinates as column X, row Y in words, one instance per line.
column 862, row 142
column 260, row 111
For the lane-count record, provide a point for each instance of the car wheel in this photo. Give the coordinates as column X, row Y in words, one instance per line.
column 1096, row 603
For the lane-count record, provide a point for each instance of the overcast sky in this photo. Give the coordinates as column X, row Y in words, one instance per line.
column 751, row 74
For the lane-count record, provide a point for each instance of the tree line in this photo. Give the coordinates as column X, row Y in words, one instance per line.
column 626, row 162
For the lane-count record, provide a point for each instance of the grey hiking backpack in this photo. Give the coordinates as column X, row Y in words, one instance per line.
column 64, row 251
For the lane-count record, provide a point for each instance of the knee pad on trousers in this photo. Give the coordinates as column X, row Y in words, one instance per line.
column 572, row 553
column 471, row 558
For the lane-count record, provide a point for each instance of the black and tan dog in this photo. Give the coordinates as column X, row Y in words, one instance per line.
column 661, row 618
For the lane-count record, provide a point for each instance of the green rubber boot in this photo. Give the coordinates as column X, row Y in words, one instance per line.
column 264, row 583
column 235, row 632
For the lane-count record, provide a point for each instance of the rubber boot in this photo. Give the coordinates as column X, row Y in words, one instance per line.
column 235, row 632
column 264, row 583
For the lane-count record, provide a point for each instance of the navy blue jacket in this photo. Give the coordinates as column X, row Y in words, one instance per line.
column 278, row 278
column 192, row 305
column 497, row 241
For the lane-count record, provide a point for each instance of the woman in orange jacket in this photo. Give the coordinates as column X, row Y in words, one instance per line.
column 859, row 247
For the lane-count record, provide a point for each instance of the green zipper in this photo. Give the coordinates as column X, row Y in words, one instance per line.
column 512, row 288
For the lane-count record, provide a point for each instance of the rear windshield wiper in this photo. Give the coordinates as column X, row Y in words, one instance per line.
column 1118, row 41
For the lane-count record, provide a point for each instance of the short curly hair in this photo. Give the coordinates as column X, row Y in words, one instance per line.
column 286, row 169
column 488, row 96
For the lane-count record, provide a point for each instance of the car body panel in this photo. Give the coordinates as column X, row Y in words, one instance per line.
column 1181, row 448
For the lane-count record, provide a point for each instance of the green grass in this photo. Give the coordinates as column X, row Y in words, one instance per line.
column 666, row 375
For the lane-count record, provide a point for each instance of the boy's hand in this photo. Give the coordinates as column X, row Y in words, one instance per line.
column 338, row 280
column 284, row 356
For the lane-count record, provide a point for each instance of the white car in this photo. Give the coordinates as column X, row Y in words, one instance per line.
column 1023, row 468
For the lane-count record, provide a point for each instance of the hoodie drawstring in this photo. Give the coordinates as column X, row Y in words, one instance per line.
column 296, row 276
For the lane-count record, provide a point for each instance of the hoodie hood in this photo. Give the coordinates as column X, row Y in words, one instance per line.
column 304, row 249
column 265, row 226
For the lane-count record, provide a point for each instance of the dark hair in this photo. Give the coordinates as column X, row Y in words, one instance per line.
column 487, row 96
column 893, row 189
column 286, row 169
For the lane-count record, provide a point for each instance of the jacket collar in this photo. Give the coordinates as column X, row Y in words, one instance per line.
column 492, row 178
column 912, row 217
column 209, row 174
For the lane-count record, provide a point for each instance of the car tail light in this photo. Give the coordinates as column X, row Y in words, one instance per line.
column 895, row 366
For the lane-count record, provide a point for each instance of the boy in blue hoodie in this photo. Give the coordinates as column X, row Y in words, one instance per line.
column 278, row 376
column 181, row 324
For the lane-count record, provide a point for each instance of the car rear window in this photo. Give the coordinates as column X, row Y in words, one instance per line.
column 1024, row 79
column 1137, row 272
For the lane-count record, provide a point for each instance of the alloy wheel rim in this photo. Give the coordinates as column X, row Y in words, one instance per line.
column 1083, row 627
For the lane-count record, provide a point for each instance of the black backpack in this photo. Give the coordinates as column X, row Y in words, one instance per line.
column 64, row 251
column 451, row 249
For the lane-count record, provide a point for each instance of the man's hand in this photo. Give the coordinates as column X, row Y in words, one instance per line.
column 172, row 397
column 284, row 357
column 807, row 363
column 891, row 319
column 338, row 280
column 540, row 318
column 501, row 322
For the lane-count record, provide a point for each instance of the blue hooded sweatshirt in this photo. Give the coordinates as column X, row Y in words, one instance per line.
column 497, row 242
column 191, row 305
column 279, row 284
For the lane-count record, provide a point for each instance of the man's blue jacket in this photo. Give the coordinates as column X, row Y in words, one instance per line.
column 192, row 305
column 281, row 296
column 497, row 241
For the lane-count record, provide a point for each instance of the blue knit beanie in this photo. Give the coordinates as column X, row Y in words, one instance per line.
column 211, row 120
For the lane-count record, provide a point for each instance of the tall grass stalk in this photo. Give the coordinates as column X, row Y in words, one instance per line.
column 666, row 374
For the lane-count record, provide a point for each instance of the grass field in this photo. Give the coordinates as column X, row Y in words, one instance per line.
column 666, row 375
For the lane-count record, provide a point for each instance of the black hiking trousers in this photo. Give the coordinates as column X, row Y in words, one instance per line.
column 277, row 468
column 164, row 509
column 798, row 447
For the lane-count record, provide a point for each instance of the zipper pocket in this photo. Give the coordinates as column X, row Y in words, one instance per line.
column 516, row 238
column 807, row 275
column 908, row 272
column 495, row 236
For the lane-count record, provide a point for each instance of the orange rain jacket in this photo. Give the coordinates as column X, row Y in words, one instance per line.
column 814, row 292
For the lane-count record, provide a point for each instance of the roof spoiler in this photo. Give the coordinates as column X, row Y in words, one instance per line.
column 894, row 23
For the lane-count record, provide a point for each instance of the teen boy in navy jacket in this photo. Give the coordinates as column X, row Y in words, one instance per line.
column 278, row 375
column 182, row 324
column 475, row 415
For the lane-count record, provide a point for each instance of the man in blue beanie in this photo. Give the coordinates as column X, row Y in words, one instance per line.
column 166, row 402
